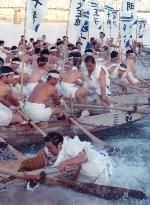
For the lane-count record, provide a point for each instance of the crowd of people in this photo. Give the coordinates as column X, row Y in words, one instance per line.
column 59, row 70
column 36, row 71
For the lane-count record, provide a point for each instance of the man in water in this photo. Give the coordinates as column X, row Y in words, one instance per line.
column 96, row 167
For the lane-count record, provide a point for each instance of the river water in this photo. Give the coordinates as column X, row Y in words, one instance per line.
column 132, row 166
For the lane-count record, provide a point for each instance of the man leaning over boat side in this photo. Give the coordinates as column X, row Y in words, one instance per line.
column 35, row 107
column 96, row 167
column 7, row 99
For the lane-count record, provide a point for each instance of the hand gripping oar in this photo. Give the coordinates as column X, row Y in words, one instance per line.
column 101, row 191
column 18, row 154
column 108, row 148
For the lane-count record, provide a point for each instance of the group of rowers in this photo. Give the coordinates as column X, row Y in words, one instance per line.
column 60, row 70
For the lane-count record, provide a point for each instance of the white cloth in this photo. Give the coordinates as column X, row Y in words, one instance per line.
column 37, row 112
column 68, row 89
column 5, row 115
column 93, row 83
column 97, row 169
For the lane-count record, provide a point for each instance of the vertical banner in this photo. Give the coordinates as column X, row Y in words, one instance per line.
column 141, row 27
column 111, row 18
column 126, row 31
column 95, row 24
column 74, row 24
column 36, row 10
column 85, row 28
column 129, row 9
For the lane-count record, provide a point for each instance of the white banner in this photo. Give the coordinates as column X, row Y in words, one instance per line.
column 141, row 27
column 85, row 28
column 110, row 16
column 126, row 31
column 129, row 9
column 36, row 10
column 95, row 25
column 74, row 23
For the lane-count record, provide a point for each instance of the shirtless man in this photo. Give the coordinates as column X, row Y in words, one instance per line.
column 96, row 80
column 35, row 107
column 118, row 71
column 7, row 99
column 71, row 82
column 37, row 74
column 131, row 70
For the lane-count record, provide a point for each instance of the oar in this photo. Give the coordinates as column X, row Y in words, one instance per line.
column 13, row 150
column 101, row 191
column 131, row 86
column 109, row 148
column 32, row 123
column 99, row 108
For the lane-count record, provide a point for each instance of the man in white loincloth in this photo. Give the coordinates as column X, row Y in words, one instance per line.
column 7, row 99
column 35, row 107
column 72, row 85
column 37, row 73
column 96, row 167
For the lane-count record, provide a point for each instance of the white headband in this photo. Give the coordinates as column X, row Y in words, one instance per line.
column 16, row 62
column 3, row 74
column 53, row 49
column 54, row 75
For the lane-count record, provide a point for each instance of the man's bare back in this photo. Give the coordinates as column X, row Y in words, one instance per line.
column 42, row 92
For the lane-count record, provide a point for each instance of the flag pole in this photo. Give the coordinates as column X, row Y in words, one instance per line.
column 104, row 15
column 23, row 57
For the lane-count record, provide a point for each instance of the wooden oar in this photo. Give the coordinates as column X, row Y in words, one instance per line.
column 98, row 108
column 18, row 154
column 109, row 148
column 32, row 123
column 101, row 191
column 130, row 86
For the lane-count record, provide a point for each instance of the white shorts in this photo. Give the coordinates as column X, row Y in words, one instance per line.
column 69, row 89
column 37, row 112
column 5, row 115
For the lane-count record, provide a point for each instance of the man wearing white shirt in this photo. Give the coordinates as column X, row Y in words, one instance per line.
column 96, row 167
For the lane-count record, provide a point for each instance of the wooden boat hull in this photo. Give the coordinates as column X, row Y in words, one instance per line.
column 26, row 134
column 13, row 165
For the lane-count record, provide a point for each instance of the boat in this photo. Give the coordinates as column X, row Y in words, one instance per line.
column 51, row 176
column 16, row 134
column 7, row 182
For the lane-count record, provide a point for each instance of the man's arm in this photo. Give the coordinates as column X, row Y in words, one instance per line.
column 78, row 160
column 55, row 96
column 102, row 80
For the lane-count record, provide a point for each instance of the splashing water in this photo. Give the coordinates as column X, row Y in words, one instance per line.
column 132, row 168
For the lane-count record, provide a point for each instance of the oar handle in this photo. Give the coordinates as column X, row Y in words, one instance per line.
column 13, row 150
column 32, row 123
column 103, row 145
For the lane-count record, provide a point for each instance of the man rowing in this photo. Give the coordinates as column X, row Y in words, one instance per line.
column 72, row 85
column 131, row 69
column 7, row 99
column 37, row 74
column 35, row 107
column 96, row 80
column 96, row 167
